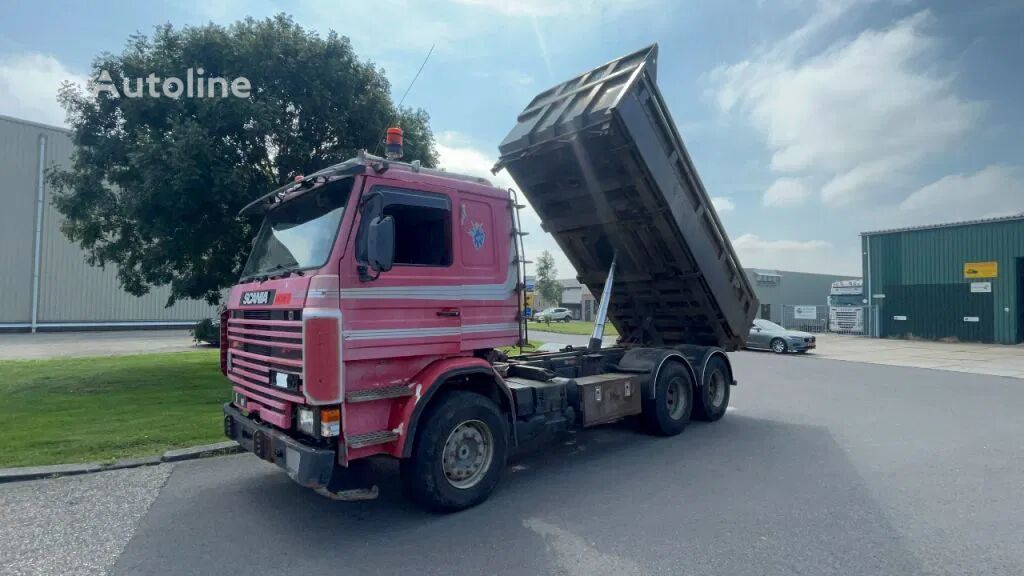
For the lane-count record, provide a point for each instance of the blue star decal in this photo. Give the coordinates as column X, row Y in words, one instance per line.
column 479, row 236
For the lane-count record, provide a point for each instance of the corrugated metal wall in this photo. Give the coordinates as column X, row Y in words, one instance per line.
column 921, row 273
column 19, row 167
column 791, row 289
column 70, row 290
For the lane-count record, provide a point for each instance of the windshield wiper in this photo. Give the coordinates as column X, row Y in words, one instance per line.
column 277, row 270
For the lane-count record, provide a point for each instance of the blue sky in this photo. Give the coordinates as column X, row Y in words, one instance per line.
column 809, row 121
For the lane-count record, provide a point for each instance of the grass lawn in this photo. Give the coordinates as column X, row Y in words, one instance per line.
column 573, row 327
column 59, row 411
column 514, row 350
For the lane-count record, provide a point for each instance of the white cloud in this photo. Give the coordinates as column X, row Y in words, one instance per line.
column 723, row 204
column 458, row 155
column 786, row 192
column 542, row 8
column 522, row 7
column 993, row 191
column 857, row 114
column 794, row 255
column 511, row 78
column 29, row 84
column 413, row 27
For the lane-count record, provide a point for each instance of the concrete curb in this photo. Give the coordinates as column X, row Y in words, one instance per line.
column 226, row 447
column 24, row 473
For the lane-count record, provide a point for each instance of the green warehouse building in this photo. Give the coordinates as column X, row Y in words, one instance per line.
column 962, row 281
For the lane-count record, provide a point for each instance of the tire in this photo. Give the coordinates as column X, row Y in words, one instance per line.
column 778, row 345
column 713, row 398
column 454, row 429
column 668, row 413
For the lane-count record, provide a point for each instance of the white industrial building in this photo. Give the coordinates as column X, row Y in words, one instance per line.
column 45, row 283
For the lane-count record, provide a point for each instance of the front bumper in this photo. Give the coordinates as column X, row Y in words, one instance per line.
column 801, row 346
column 310, row 467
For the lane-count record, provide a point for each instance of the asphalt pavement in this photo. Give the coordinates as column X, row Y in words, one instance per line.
column 822, row 467
column 25, row 346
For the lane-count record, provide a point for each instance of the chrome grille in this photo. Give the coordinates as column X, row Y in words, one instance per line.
column 262, row 343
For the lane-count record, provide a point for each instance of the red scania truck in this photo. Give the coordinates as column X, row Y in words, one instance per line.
column 370, row 313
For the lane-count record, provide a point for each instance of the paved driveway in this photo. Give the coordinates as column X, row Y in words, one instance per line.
column 994, row 359
column 24, row 346
column 823, row 467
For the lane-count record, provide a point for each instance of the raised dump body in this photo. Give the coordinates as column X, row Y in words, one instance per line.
column 601, row 161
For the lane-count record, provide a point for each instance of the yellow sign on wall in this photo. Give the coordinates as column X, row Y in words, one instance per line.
column 981, row 269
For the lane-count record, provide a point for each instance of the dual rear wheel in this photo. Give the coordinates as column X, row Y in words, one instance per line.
column 676, row 399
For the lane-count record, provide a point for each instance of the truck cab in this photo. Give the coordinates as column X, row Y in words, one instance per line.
column 846, row 305
column 319, row 316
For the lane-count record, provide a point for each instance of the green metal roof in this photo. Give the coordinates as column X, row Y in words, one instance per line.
column 947, row 225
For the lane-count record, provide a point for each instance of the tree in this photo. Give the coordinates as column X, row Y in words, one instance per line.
column 155, row 183
column 547, row 286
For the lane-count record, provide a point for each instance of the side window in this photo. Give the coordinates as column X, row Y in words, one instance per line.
column 423, row 227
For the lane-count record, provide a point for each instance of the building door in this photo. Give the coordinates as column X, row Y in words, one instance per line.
column 766, row 311
column 1020, row 299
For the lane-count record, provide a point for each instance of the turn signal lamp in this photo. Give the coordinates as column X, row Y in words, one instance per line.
column 330, row 422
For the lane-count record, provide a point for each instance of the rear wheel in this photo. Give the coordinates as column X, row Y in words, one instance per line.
column 459, row 453
column 668, row 412
column 713, row 399
column 778, row 345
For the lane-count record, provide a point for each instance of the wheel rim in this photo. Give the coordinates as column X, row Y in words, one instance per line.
column 467, row 454
column 675, row 398
column 716, row 389
column 779, row 346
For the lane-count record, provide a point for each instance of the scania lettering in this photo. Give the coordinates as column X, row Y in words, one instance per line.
column 255, row 298
column 370, row 317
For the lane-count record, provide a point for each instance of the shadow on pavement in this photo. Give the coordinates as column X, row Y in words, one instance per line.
column 742, row 496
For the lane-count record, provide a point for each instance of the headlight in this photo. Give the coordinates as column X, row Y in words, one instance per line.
column 307, row 421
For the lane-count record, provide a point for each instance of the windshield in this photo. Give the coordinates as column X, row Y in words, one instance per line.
column 847, row 300
column 298, row 234
column 767, row 325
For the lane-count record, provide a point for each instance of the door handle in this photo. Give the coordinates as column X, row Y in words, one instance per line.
column 449, row 313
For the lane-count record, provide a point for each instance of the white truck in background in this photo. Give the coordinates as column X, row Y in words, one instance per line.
column 846, row 305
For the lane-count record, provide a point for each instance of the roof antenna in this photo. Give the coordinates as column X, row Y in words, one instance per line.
column 398, row 109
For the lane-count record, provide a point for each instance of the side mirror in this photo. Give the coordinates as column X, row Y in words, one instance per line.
column 380, row 243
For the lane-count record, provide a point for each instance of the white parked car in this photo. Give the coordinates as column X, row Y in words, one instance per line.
column 554, row 315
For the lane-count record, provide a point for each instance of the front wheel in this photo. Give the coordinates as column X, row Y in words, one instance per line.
column 668, row 413
column 459, row 453
column 713, row 399
column 778, row 346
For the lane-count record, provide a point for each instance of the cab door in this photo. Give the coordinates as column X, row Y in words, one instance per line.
column 414, row 308
column 489, row 271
